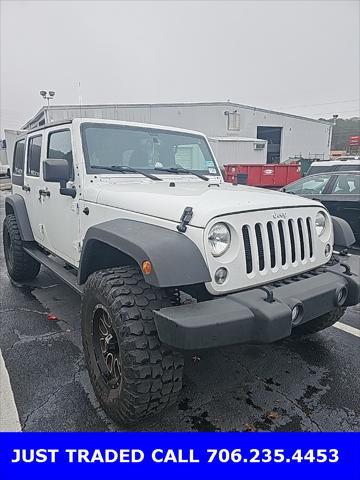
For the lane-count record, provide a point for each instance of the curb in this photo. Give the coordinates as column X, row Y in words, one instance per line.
column 9, row 418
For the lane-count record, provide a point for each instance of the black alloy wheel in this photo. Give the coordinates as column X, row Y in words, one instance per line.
column 106, row 347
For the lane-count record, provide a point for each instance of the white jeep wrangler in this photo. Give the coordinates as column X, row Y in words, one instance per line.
column 136, row 218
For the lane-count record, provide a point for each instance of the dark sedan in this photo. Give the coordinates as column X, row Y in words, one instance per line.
column 338, row 191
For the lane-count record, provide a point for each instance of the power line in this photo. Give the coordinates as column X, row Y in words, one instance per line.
column 317, row 104
column 336, row 111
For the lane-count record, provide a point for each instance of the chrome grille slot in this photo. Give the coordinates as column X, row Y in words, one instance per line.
column 269, row 228
column 292, row 240
column 282, row 242
column 247, row 249
column 260, row 246
column 308, row 224
column 301, row 237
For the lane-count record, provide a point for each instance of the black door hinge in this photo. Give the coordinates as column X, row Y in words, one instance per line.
column 44, row 193
column 185, row 219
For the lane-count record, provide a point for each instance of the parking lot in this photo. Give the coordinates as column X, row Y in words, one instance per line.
column 307, row 384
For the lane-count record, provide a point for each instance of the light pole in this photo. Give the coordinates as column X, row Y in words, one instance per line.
column 47, row 95
column 335, row 117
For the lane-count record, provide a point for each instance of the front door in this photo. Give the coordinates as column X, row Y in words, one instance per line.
column 59, row 217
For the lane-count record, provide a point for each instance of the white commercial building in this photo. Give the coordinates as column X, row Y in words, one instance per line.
column 237, row 133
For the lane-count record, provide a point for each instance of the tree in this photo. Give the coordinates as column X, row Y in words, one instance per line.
column 342, row 130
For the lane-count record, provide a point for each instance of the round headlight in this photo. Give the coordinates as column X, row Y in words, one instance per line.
column 320, row 223
column 219, row 239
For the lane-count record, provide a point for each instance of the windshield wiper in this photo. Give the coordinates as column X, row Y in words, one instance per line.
column 181, row 170
column 125, row 168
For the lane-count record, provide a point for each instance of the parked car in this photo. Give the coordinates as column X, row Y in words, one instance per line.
column 342, row 164
column 338, row 191
column 4, row 170
column 4, row 167
column 134, row 217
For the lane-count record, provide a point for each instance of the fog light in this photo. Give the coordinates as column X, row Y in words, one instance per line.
column 296, row 313
column 341, row 296
column 327, row 250
column 221, row 275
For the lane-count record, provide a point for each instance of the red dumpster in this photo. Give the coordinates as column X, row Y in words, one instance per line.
column 268, row 175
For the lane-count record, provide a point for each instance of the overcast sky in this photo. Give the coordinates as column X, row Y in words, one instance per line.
column 296, row 56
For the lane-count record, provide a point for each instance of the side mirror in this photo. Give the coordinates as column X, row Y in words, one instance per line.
column 56, row 170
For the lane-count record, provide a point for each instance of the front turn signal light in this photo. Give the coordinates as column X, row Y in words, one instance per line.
column 146, row 267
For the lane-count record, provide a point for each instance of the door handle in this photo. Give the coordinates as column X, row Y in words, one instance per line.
column 26, row 188
column 44, row 193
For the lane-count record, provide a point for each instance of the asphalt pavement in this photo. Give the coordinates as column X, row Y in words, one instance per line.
column 298, row 384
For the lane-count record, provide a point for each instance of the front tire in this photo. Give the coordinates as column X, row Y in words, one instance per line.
column 320, row 323
column 20, row 265
column 132, row 373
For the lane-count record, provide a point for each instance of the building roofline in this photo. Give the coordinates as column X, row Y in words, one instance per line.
column 175, row 104
column 48, row 125
column 237, row 139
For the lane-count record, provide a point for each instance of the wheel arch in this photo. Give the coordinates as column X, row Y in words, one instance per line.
column 110, row 256
column 175, row 259
column 15, row 204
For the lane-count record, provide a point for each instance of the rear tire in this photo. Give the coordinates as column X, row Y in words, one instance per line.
column 20, row 265
column 132, row 373
column 320, row 323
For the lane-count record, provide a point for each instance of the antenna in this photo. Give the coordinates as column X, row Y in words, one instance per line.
column 80, row 98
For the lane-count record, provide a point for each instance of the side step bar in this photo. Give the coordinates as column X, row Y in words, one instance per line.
column 64, row 275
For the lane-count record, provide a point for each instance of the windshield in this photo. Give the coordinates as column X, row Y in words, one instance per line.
column 107, row 146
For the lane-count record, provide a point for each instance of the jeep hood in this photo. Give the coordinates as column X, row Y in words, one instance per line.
column 159, row 199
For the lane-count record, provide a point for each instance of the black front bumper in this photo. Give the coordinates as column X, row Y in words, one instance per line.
column 251, row 317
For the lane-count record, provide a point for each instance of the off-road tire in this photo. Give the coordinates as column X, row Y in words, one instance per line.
column 20, row 265
column 151, row 373
column 320, row 323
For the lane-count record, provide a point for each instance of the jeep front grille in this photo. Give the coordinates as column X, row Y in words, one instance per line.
column 277, row 244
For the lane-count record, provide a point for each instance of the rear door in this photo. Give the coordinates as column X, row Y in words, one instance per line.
column 31, row 184
column 18, row 165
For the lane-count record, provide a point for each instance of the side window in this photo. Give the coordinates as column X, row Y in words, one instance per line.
column 33, row 156
column 310, row 185
column 19, row 156
column 59, row 146
column 347, row 185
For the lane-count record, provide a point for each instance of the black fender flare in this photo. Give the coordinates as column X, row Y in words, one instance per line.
column 343, row 234
column 175, row 259
column 16, row 203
